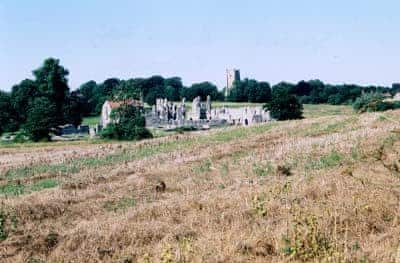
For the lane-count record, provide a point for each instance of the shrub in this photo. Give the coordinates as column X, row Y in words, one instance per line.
column 370, row 102
column 284, row 106
column 20, row 137
column 128, row 125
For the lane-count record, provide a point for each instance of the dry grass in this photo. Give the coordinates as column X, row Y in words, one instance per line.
column 319, row 189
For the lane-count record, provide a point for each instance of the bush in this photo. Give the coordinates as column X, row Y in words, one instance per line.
column 284, row 106
column 371, row 102
column 20, row 137
column 110, row 132
column 128, row 125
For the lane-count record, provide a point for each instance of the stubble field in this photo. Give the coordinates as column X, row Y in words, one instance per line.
column 326, row 188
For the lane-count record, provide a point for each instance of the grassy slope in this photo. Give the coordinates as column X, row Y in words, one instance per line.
column 228, row 195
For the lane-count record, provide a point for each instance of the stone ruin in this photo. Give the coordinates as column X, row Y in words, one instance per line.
column 169, row 115
column 165, row 112
column 201, row 110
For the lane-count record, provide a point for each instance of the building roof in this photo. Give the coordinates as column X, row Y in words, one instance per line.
column 117, row 104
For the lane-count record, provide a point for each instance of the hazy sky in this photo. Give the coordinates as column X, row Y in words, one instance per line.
column 336, row 41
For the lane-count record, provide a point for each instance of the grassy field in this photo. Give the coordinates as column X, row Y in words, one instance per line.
column 310, row 111
column 322, row 189
column 315, row 111
column 91, row 121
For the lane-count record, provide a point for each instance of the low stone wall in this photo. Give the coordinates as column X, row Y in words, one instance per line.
column 157, row 123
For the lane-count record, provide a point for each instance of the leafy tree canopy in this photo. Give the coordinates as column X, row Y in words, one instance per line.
column 283, row 105
column 40, row 119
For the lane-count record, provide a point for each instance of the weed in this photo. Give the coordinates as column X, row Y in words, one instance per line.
column 356, row 152
column 127, row 260
column 12, row 189
column 121, row 204
column 204, row 166
column 284, row 170
column 331, row 159
column 160, row 186
column 167, row 255
column 145, row 259
column 224, row 169
column 263, row 169
column 325, row 161
column 16, row 189
column 307, row 242
column 185, row 249
column 43, row 184
column 51, row 240
column 356, row 246
column 382, row 118
column 3, row 231
column 258, row 205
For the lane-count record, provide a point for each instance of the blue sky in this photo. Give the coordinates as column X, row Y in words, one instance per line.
column 336, row 41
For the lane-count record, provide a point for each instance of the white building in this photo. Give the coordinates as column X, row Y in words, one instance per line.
column 396, row 97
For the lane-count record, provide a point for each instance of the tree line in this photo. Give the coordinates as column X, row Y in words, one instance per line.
column 307, row 92
column 37, row 105
column 40, row 104
column 148, row 89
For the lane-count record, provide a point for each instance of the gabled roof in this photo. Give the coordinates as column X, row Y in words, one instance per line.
column 117, row 104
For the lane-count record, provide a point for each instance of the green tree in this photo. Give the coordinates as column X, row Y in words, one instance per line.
column 153, row 82
column 395, row 88
column 22, row 96
column 202, row 89
column 239, row 91
column 75, row 108
column 154, row 93
column 51, row 80
column 109, row 85
column 173, row 88
column 40, row 119
column 127, row 89
column 283, row 105
column 7, row 114
column 128, row 124
column 89, row 91
column 258, row 91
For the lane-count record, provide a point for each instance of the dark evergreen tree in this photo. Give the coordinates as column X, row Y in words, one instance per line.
column 52, row 83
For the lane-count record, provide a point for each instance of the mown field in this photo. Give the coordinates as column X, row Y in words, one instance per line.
column 325, row 188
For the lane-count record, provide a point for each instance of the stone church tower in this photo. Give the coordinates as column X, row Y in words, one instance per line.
column 232, row 75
